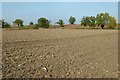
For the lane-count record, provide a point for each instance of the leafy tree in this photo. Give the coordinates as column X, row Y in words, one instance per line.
column 0, row 22
column 19, row 22
column 60, row 22
column 43, row 23
column 4, row 24
column 31, row 23
column 112, row 22
column 72, row 20
column 92, row 21
column 85, row 21
column 101, row 19
column 105, row 19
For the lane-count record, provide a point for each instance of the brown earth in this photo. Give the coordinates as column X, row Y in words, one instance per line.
column 60, row 53
column 0, row 53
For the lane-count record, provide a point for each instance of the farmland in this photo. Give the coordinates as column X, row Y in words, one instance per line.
column 60, row 53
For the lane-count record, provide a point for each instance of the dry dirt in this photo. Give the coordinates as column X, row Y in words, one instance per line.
column 60, row 53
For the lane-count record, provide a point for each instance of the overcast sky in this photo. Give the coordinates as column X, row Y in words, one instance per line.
column 31, row 11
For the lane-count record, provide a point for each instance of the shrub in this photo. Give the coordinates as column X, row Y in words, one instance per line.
column 60, row 22
column 31, row 23
column 43, row 23
column 72, row 20
column 19, row 22
column 5, row 24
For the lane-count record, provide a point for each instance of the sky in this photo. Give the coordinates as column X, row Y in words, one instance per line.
column 59, row 0
column 0, row 10
column 119, row 12
column 53, row 11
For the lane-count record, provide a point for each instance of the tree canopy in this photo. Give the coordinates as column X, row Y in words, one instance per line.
column 31, row 23
column 60, row 22
column 112, row 22
column 101, row 20
column 92, row 21
column 43, row 23
column 72, row 20
column 85, row 21
column 19, row 22
column 4, row 24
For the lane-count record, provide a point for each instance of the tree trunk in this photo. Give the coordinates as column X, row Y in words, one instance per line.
column 18, row 25
column 102, row 26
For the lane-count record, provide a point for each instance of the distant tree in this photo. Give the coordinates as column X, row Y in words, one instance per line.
column 92, row 21
column 85, row 21
column 0, row 22
column 88, row 21
column 19, row 22
column 60, row 22
column 43, row 23
column 101, row 20
column 112, row 22
column 72, row 20
column 4, row 24
column 31, row 23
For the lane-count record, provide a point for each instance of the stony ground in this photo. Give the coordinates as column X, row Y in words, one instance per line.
column 60, row 53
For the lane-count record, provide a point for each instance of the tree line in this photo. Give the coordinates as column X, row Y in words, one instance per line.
column 100, row 20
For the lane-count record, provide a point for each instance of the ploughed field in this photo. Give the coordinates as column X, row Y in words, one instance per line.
column 60, row 53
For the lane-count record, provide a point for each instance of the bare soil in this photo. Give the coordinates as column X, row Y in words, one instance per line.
column 60, row 53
